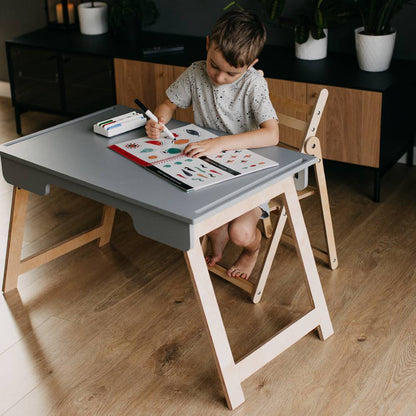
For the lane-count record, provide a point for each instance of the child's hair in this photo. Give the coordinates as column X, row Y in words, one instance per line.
column 240, row 36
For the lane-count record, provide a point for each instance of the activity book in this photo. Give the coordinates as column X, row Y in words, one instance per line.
column 165, row 157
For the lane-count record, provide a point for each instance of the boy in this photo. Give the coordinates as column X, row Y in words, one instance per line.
column 228, row 94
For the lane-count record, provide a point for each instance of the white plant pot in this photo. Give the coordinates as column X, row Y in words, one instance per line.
column 374, row 53
column 93, row 20
column 313, row 48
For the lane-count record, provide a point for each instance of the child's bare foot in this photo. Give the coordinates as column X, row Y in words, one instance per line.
column 219, row 239
column 244, row 265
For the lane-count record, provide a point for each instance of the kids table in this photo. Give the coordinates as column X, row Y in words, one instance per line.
column 72, row 157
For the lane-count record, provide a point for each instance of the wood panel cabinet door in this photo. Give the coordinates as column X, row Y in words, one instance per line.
column 295, row 91
column 148, row 82
column 350, row 126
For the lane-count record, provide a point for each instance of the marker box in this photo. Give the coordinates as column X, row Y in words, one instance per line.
column 120, row 124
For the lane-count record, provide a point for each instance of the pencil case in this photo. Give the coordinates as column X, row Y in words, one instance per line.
column 120, row 124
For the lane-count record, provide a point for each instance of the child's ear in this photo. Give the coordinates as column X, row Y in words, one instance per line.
column 207, row 43
column 252, row 64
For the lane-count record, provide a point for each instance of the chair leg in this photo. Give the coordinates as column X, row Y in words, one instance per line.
column 271, row 252
column 313, row 147
column 204, row 243
column 268, row 227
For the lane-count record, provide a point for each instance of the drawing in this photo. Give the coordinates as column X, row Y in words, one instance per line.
column 173, row 151
column 193, row 132
column 132, row 145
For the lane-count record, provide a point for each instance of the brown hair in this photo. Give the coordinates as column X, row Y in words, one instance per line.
column 240, row 36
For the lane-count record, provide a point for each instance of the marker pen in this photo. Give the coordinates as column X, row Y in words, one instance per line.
column 153, row 117
column 127, row 116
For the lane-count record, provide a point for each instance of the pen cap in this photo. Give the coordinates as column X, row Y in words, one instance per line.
column 141, row 105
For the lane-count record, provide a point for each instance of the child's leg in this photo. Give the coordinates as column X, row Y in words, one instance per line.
column 219, row 239
column 243, row 232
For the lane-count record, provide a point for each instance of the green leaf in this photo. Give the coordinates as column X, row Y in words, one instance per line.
column 317, row 33
column 301, row 33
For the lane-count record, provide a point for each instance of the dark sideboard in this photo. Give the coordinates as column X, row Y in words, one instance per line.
column 368, row 119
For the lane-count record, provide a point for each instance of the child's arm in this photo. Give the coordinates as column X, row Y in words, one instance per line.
column 164, row 113
column 266, row 135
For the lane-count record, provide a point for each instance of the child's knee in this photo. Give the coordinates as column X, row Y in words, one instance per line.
column 241, row 233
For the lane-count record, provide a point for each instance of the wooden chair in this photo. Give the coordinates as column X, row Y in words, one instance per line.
column 297, row 132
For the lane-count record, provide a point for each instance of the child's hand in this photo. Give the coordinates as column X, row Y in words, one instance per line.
column 154, row 129
column 203, row 148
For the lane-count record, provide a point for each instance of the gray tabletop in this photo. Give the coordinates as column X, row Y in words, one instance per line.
column 73, row 157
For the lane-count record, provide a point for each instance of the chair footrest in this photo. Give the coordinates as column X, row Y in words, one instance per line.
column 244, row 284
column 308, row 191
column 276, row 203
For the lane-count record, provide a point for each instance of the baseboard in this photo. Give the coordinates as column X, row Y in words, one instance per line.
column 403, row 159
column 5, row 89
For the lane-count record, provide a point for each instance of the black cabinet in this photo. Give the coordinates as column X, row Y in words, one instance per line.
column 59, row 82
column 34, row 78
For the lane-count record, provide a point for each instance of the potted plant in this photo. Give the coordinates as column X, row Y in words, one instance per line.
column 93, row 17
column 127, row 17
column 310, row 26
column 374, row 41
column 311, row 30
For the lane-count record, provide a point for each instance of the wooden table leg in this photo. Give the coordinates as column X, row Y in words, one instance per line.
column 15, row 265
column 233, row 373
column 106, row 225
column 212, row 317
column 15, row 239
column 305, row 254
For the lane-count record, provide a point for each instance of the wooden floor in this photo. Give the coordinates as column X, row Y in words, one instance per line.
column 117, row 330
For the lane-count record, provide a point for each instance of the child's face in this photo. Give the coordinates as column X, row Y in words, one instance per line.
column 220, row 72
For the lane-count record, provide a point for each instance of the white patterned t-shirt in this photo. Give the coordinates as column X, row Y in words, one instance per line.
column 233, row 108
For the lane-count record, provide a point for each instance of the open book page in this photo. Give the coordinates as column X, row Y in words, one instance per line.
column 165, row 158
column 145, row 151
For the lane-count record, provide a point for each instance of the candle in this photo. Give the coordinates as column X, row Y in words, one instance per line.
column 60, row 13
column 71, row 14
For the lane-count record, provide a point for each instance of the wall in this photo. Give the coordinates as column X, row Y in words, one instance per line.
column 18, row 17
column 195, row 18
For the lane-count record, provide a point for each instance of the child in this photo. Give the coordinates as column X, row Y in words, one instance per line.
column 228, row 94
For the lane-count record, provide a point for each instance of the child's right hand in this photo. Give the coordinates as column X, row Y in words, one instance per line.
column 154, row 129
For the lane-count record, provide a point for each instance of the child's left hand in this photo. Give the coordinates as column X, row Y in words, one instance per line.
column 203, row 148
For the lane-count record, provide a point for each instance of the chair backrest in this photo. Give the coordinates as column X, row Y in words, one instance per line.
column 298, row 122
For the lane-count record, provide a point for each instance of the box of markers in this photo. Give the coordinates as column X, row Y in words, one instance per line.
column 120, row 124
